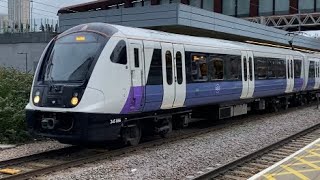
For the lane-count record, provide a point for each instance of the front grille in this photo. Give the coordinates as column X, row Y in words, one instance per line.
column 67, row 123
column 54, row 102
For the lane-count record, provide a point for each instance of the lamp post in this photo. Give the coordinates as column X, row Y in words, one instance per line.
column 26, row 60
column 31, row 23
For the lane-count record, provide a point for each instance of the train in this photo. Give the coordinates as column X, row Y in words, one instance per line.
column 99, row 82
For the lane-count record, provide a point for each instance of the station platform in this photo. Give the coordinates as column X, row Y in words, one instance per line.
column 303, row 164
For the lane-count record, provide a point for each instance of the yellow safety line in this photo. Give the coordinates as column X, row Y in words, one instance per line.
column 308, row 163
column 286, row 173
column 314, row 153
column 299, row 163
column 269, row 177
column 311, row 156
column 296, row 173
column 308, row 154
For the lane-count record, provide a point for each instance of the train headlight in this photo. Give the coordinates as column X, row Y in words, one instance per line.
column 75, row 101
column 36, row 98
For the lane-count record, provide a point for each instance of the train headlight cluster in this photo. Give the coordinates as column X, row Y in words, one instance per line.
column 37, row 98
column 75, row 99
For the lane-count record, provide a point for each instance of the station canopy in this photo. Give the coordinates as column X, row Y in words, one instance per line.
column 184, row 19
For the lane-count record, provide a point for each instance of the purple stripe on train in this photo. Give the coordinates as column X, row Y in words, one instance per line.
column 154, row 97
column 149, row 98
column 298, row 83
column 269, row 87
column 134, row 101
column 212, row 92
column 311, row 83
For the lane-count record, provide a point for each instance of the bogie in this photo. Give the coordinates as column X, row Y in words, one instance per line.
column 131, row 133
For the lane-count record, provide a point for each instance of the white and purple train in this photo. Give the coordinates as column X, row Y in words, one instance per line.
column 98, row 82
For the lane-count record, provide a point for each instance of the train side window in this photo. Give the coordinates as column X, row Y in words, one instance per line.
column 261, row 68
column 234, row 64
column 169, row 67
column 179, row 67
column 319, row 69
column 311, row 70
column 288, row 68
column 271, row 68
column 119, row 54
column 136, row 58
column 199, row 68
column 216, row 68
column 292, row 69
column 245, row 68
column 281, row 68
column 155, row 76
column 250, row 69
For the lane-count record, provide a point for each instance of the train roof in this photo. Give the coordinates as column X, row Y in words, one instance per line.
column 152, row 35
column 146, row 34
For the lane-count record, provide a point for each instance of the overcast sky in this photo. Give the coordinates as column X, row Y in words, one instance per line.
column 48, row 10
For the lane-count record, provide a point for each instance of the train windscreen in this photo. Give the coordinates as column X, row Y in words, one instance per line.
column 72, row 57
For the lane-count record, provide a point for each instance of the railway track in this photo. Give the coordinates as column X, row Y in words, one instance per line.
column 246, row 167
column 57, row 160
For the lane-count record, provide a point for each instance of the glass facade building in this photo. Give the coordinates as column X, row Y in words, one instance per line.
column 237, row 8
column 307, row 5
column 247, row 8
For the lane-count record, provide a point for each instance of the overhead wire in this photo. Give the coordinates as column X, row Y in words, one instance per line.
column 41, row 3
column 44, row 10
column 45, row 4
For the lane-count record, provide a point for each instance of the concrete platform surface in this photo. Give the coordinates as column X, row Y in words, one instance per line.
column 303, row 164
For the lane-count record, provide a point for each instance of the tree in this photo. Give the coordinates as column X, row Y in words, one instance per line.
column 28, row 27
column 47, row 28
column 21, row 27
column 56, row 28
column 41, row 27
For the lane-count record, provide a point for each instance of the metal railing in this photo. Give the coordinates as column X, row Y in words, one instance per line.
column 285, row 22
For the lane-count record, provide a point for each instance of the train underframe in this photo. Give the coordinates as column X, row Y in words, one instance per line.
column 84, row 128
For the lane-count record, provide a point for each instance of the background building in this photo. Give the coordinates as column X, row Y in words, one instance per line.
column 282, row 14
column 207, row 18
column 3, row 23
column 19, row 14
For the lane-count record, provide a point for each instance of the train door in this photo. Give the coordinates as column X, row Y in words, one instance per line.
column 180, row 75
column 290, row 74
column 168, row 76
column 248, row 79
column 136, row 56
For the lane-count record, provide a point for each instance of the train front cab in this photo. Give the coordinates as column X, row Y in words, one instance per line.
column 68, row 101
